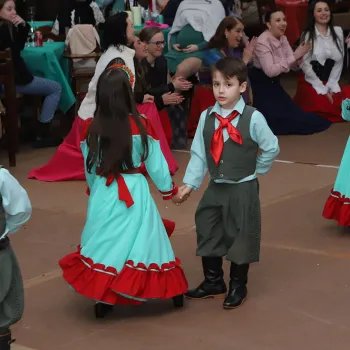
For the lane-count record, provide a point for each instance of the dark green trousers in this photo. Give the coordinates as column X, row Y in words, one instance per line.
column 228, row 222
column 11, row 288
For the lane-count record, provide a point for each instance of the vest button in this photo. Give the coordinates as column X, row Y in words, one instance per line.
column 221, row 175
column 221, row 161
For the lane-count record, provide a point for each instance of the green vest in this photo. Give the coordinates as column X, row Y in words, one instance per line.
column 237, row 161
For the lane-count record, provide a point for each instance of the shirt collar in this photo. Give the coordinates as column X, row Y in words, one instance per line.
column 239, row 107
column 273, row 40
column 319, row 34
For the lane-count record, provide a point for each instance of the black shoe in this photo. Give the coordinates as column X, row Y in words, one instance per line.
column 238, row 286
column 213, row 285
column 101, row 309
column 178, row 301
column 45, row 138
column 6, row 341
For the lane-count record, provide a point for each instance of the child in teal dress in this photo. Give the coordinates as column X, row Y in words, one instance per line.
column 125, row 256
column 337, row 206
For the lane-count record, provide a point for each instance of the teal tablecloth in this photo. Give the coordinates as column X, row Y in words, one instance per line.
column 38, row 24
column 48, row 62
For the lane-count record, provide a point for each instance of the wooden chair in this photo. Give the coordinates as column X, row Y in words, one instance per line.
column 81, row 76
column 10, row 116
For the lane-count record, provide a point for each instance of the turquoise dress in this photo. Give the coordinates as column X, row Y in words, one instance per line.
column 125, row 255
column 337, row 206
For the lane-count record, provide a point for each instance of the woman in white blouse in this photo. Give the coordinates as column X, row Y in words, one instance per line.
column 318, row 86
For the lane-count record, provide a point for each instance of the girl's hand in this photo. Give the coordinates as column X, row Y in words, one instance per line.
column 190, row 49
column 176, row 47
column 330, row 96
column 301, row 50
column 182, row 195
column 249, row 49
column 17, row 20
column 172, row 98
column 148, row 99
column 181, row 84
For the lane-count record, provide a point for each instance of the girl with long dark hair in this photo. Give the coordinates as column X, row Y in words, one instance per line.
column 125, row 256
column 318, row 85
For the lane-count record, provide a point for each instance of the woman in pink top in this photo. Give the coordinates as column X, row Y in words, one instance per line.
column 272, row 57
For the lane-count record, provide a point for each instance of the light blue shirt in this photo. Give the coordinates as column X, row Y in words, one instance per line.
column 259, row 131
column 15, row 202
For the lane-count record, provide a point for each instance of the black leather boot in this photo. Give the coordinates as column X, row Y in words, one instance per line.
column 213, row 285
column 101, row 309
column 178, row 301
column 6, row 341
column 44, row 137
column 238, row 286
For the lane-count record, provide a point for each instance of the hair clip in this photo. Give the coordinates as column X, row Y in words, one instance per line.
column 126, row 69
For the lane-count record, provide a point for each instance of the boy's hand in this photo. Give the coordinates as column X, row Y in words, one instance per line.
column 182, row 195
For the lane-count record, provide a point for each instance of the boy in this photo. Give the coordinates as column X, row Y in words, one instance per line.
column 15, row 210
column 227, row 141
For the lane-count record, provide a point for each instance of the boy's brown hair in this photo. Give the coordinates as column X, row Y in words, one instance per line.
column 231, row 67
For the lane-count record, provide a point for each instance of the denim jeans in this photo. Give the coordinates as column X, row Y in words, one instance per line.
column 44, row 87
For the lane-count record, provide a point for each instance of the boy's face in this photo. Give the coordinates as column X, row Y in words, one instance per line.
column 227, row 91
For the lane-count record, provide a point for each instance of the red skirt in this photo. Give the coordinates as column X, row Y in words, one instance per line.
column 165, row 120
column 309, row 100
column 203, row 98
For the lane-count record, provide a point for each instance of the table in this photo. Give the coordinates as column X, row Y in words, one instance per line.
column 38, row 24
column 48, row 62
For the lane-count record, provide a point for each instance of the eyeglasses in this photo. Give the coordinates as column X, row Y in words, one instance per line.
column 158, row 43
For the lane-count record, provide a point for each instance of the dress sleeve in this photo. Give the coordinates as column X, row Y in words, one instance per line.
column 333, row 81
column 264, row 54
column 287, row 49
column 157, row 166
column 310, row 75
column 15, row 202
column 197, row 166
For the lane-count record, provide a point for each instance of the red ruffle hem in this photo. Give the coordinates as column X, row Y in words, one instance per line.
column 104, row 284
column 337, row 208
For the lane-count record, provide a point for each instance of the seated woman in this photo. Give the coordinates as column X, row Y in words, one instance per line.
column 318, row 85
column 157, row 77
column 13, row 35
column 227, row 41
column 192, row 30
column 145, row 102
column 77, row 12
column 67, row 163
column 274, row 56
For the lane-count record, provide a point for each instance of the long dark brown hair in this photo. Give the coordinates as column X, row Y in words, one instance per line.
column 219, row 40
column 109, row 136
column 141, row 72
